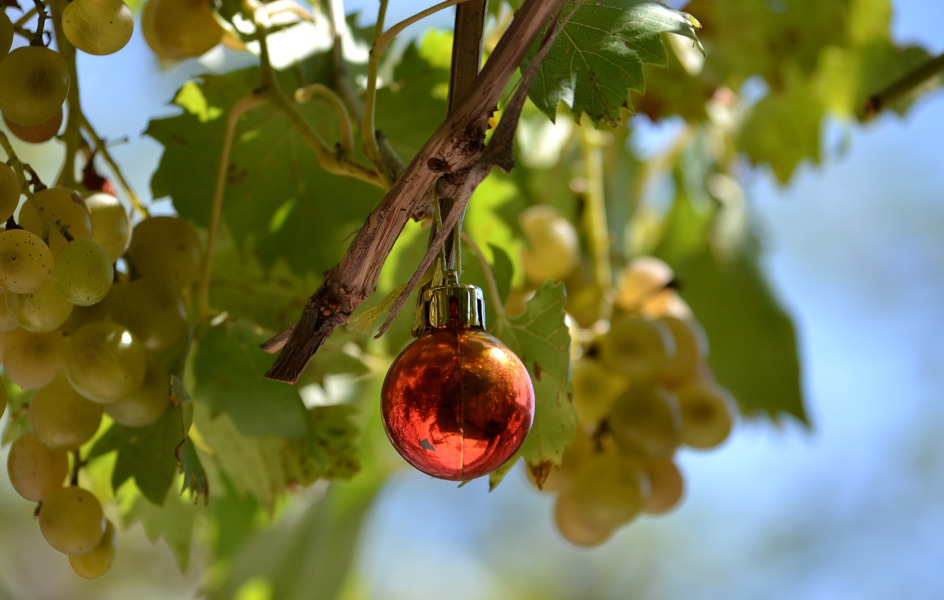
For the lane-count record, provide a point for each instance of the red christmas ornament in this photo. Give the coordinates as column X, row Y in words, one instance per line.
column 456, row 402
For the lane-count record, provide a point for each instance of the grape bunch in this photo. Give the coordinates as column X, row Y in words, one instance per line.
column 35, row 79
column 642, row 390
column 92, row 311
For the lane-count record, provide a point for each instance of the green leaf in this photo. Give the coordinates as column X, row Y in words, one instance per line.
column 147, row 454
column 228, row 368
column 277, row 200
column 599, row 55
column 172, row 521
column 541, row 340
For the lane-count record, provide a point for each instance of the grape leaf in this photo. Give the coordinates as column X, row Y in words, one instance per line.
column 599, row 55
column 146, row 454
column 172, row 521
column 541, row 340
column 228, row 368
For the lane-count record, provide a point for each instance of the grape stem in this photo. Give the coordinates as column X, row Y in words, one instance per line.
column 40, row 23
column 102, row 149
column 306, row 93
column 595, row 221
column 902, row 86
column 21, row 168
column 497, row 303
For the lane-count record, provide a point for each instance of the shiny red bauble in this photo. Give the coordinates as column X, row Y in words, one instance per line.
column 457, row 403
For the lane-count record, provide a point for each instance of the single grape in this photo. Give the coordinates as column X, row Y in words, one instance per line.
column 691, row 349
column 146, row 404
column 36, row 134
column 35, row 469
column 6, row 33
column 165, row 248
column 9, row 191
column 82, row 315
column 98, row 26
column 45, row 309
column 637, row 348
column 178, row 29
column 54, row 213
column 25, row 261
column 32, row 360
column 646, row 420
column 83, row 272
column 153, row 310
column 111, row 225
column 596, row 388
column 72, row 521
column 609, row 490
column 708, row 414
column 105, row 361
column 642, row 279
column 574, row 526
column 96, row 563
column 7, row 323
column 666, row 303
column 35, row 82
column 667, row 485
column 61, row 417
column 553, row 250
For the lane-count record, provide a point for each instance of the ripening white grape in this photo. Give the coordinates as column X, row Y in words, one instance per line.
column 54, row 212
column 609, row 490
column 32, row 360
column 72, row 521
column 34, row 468
column 691, row 349
column 96, row 563
column 165, row 248
column 105, row 361
column 111, row 225
column 708, row 414
column 637, row 348
column 25, row 261
column 666, row 485
column 83, row 272
column 178, row 29
column 42, row 310
column 553, row 250
column 646, row 421
column 61, row 417
column 35, row 82
column 98, row 26
column 642, row 280
column 146, row 404
column 9, row 191
column 596, row 388
column 6, row 319
column 153, row 310
column 36, row 134
column 574, row 526
column 6, row 34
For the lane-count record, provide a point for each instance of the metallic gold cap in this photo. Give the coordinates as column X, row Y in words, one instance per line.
column 455, row 305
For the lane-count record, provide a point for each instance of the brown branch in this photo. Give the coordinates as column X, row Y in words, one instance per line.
column 451, row 154
column 902, row 86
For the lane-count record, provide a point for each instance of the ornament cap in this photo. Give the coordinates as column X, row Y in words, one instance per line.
column 454, row 305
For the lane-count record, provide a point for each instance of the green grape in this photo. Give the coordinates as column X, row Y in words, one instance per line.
column 7, row 323
column 83, row 272
column 105, row 361
column 32, row 360
column 72, row 521
column 574, row 526
column 667, row 485
column 36, row 134
column 25, row 261
column 609, row 490
column 35, row 469
column 111, row 225
column 646, row 421
column 165, row 248
column 561, row 478
column 146, row 404
column 6, row 33
column 45, row 309
column 637, row 348
column 642, row 279
column 708, row 414
column 96, row 563
column 9, row 191
column 595, row 389
column 82, row 315
column 54, row 211
column 98, row 26
column 178, row 29
column 35, row 82
column 553, row 250
column 691, row 349
column 61, row 417
column 153, row 310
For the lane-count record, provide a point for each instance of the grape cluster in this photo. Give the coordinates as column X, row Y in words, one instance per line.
column 34, row 79
column 85, row 338
column 642, row 389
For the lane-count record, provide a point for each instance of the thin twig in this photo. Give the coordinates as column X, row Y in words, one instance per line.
column 102, row 149
column 306, row 93
column 498, row 304
column 902, row 86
